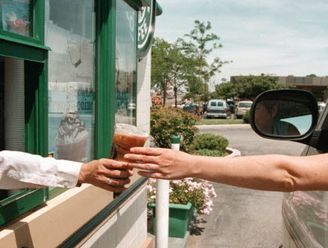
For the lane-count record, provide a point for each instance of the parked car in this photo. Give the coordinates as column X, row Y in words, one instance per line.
column 242, row 107
column 217, row 108
column 305, row 214
column 192, row 108
column 231, row 106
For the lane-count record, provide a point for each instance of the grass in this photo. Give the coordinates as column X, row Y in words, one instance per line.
column 219, row 121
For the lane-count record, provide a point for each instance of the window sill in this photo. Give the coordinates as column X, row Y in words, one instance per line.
column 60, row 217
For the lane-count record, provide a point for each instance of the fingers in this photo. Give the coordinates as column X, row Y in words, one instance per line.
column 116, row 182
column 98, row 172
column 152, row 174
column 140, row 158
column 111, row 164
column 112, row 184
column 118, row 173
column 148, row 150
column 143, row 166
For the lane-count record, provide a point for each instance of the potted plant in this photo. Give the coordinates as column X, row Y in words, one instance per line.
column 187, row 197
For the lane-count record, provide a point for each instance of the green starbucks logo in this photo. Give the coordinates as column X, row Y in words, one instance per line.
column 146, row 26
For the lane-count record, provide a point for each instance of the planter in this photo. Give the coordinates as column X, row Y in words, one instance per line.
column 180, row 216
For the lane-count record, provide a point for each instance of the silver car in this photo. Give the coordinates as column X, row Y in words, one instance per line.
column 216, row 108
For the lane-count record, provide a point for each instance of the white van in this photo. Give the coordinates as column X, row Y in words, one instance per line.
column 217, row 108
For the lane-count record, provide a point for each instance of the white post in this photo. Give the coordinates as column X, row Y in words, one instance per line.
column 162, row 205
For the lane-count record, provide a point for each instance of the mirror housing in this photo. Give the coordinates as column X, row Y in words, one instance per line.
column 287, row 114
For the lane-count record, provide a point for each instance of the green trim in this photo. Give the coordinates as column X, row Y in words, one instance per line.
column 173, row 205
column 105, row 77
column 36, row 139
column 37, row 35
column 53, row 192
column 136, row 4
column 20, row 203
column 19, row 49
column 36, row 108
column 39, row 20
column 86, row 229
column 159, row 9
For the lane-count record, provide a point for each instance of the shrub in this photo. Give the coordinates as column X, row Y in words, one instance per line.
column 246, row 117
column 208, row 144
column 168, row 121
column 210, row 153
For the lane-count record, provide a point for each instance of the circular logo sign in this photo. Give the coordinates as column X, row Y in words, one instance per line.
column 146, row 26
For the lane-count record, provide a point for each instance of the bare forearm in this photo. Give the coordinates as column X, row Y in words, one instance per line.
column 264, row 172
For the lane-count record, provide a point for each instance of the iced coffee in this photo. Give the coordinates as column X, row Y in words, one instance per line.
column 127, row 136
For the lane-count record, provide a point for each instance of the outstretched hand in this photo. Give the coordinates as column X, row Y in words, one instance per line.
column 160, row 163
column 105, row 173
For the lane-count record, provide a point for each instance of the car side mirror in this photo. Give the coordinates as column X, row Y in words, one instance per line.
column 286, row 114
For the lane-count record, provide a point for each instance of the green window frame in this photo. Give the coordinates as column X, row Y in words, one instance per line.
column 37, row 35
column 105, row 73
column 104, row 78
column 34, row 54
column 35, row 133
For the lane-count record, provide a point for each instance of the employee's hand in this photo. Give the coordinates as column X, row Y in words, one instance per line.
column 105, row 173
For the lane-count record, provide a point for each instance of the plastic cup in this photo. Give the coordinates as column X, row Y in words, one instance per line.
column 127, row 136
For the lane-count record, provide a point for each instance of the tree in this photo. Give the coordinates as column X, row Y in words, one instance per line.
column 179, row 74
column 170, row 67
column 246, row 87
column 250, row 86
column 197, row 46
column 224, row 91
column 161, row 67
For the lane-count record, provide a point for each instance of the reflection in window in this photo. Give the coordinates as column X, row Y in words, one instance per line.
column 16, row 16
column 126, row 63
column 69, row 34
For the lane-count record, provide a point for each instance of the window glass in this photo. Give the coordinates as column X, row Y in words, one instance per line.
column 70, row 35
column 126, row 63
column 16, row 16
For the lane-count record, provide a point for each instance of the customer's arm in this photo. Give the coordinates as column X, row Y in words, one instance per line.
column 264, row 172
column 24, row 170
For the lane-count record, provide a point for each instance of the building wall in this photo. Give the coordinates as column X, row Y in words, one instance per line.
column 303, row 81
column 127, row 228
column 143, row 93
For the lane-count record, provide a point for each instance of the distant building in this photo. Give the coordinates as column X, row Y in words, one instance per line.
column 317, row 85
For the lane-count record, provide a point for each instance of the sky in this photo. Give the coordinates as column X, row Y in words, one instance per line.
column 276, row 37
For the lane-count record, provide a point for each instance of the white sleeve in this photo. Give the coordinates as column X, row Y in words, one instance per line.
column 24, row 170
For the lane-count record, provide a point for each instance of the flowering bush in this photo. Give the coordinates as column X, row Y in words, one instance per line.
column 168, row 121
column 196, row 191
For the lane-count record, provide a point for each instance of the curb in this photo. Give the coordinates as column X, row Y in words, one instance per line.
column 237, row 126
column 234, row 152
